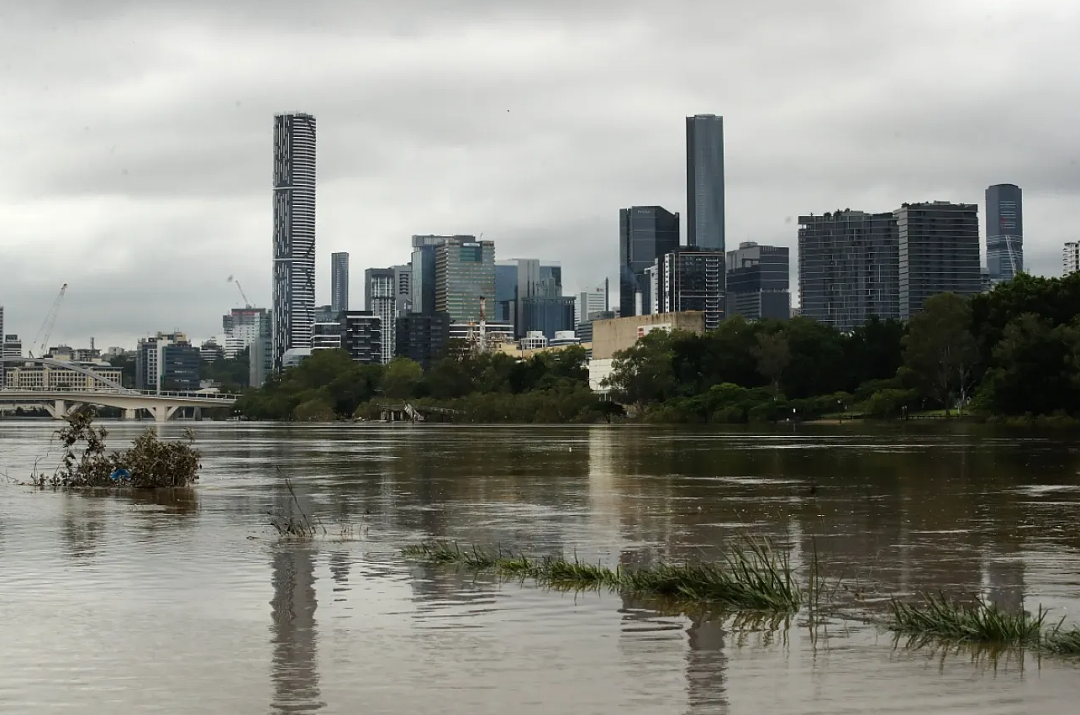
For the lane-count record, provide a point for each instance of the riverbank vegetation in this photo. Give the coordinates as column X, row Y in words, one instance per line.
column 148, row 463
column 494, row 387
column 1012, row 355
column 756, row 578
column 752, row 576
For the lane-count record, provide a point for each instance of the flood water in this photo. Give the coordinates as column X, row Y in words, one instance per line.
column 189, row 603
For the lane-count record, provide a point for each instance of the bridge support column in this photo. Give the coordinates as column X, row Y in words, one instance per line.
column 58, row 411
column 130, row 413
column 163, row 413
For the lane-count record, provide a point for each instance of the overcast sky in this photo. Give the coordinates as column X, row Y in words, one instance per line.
column 136, row 142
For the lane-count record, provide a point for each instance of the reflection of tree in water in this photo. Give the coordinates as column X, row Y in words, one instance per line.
column 83, row 527
column 706, row 666
column 294, row 671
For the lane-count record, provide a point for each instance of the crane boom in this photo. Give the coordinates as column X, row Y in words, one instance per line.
column 230, row 279
column 45, row 332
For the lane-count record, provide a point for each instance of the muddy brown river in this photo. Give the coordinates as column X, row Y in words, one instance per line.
column 189, row 602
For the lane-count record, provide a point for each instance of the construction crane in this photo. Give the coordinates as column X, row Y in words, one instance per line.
column 230, row 279
column 45, row 332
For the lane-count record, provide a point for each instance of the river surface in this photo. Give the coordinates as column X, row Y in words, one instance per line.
column 190, row 603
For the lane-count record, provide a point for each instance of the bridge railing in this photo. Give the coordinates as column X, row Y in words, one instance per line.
column 223, row 397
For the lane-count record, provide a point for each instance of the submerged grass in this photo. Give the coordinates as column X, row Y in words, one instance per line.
column 1059, row 642
column 979, row 622
column 751, row 577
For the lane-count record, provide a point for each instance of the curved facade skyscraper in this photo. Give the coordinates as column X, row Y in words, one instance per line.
column 1004, row 231
column 294, row 233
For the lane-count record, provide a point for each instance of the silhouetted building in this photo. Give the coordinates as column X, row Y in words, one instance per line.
column 294, row 233
column 422, row 337
column 548, row 315
column 705, row 181
column 464, row 273
column 849, row 268
column 504, row 307
column 339, row 282
column 1004, row 231
column 939, row 252
column 758, row 280
column 361, row 336
column 645, row 234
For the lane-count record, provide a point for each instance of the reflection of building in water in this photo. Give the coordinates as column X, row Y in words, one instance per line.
column 294, row 671
column 339, row 571
column 603, row 486
column 1003, row 581
column 706, row 666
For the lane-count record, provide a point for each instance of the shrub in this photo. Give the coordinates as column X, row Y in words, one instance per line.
column 149, row 463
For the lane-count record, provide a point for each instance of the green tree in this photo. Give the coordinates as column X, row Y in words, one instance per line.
column 642, row 374
column 401, row 378
column 1035, row 369
column 773, row 356
column 940, row 350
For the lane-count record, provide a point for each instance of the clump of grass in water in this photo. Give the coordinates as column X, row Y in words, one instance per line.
column 1061, row 642
column 752, row 578
column 980, row 622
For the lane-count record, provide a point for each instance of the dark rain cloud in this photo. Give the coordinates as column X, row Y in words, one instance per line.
column 136, row 141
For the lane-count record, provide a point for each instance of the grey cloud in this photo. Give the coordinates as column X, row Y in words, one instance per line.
column 137, row 140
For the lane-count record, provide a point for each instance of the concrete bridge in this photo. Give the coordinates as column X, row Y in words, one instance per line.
column 101, row 391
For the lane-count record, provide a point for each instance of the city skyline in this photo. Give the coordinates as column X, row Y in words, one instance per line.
column 144, row 197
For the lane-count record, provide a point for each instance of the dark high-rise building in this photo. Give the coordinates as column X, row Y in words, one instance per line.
column 506, row 290
column 339, row 282
column 422, row 337
column 464, row 273
column 325, row 336
column 293, row 311
column 645, row 234
column 705, row 181
column 423, row 270
column 547, row 315
column 758, row 279
column 848, row 268
column 691, row 278
column 361, row 336
column 939, row 252
column 1004, row 231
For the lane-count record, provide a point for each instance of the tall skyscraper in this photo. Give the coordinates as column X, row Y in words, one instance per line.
column 705, row 181
column 339, row 282
column 645, row 234
column 293, row 311
column 758, row 279
column 849, row 268
column 1004, row 231
column 939, row 252
column 242, row 327
column 690, row 278
column 464, row 273
column 1070, row 262
column 380, row 299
